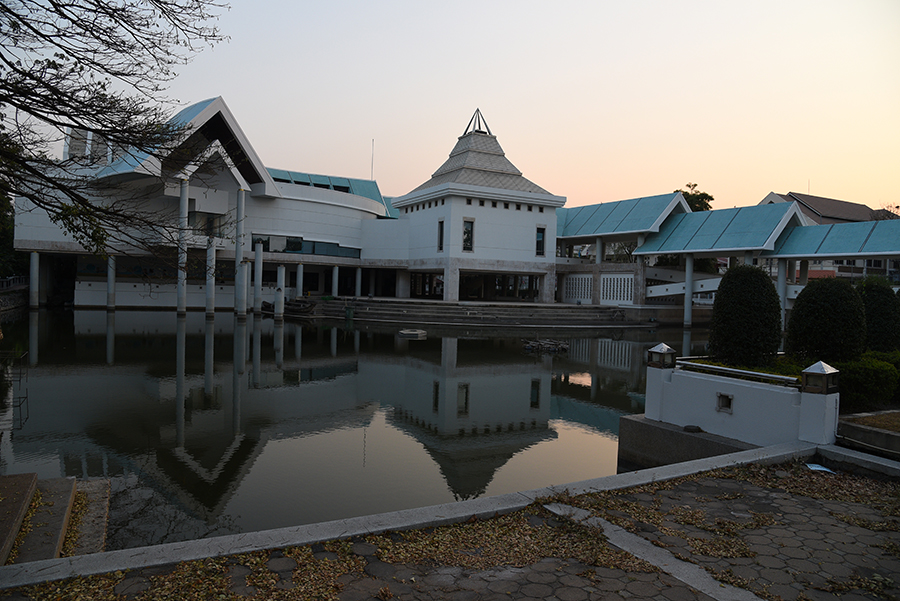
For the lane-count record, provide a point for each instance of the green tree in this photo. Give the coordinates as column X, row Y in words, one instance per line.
column 828, row 322
column 100, row 67
column 882, row 308
column 746, row 320
column 698, row 201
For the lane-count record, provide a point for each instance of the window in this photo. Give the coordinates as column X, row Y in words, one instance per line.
column 518, row 207
column 468, row 201
column 539, row 242
column 540, row 209
column 530, row 208
column 440, row 236
column 468, row 241
column 505, row 205
column 724, row 402
column 462, row 400
column 480, row 203
column 493, row 204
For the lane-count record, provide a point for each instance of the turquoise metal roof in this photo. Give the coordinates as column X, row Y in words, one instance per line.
column 636, row 215
column 360, row 187
column 739, row 229
column 187, row 114
column 861, row 239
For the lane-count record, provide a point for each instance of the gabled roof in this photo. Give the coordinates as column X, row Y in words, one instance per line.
column 716, row 233
column 624, row 217
column 838, row 240
column 207, row 123
column 826, row 210
column 478, row 160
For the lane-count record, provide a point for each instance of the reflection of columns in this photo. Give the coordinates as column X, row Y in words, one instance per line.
column 210, row 275
column 299, row 289
column 358, row 281
column 279, row 344
column 208, row 364
column 356, row 341
column 804, row 272
column 110, row 337
column 110, row 283
column 34, row 282
column 688, row 289
column 33, row 332
column 782, row 287
column 240, row 337
column 182, row 247
column 257, row 278
column 372, row 275
column 180, row 336
column 298, row 342
column 686, row 343
column 279, row 294
column 449, row 349
column 240, row 293
column 257, row 350
column 334, row 342
column 335, row 271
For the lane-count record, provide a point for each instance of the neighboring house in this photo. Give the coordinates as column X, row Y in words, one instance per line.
column 818, row 210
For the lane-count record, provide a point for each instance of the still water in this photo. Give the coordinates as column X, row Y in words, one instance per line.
column 211, row 427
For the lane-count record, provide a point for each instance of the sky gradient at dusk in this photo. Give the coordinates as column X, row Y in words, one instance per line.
column 595, row 101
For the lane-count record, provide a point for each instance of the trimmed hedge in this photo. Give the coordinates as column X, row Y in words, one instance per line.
column 746, row 320
column 867, row 384
column 828, row 322
column 882, row 308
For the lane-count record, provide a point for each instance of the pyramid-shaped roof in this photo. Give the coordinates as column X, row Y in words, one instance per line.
column 478, row 160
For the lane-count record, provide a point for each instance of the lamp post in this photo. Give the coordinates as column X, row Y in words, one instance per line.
column 662, row 356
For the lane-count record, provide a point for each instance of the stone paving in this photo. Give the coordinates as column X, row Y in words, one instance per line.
column 839, row 535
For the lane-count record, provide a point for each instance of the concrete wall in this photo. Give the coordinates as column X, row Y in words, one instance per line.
column 761, row 414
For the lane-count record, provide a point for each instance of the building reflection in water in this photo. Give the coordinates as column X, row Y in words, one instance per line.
column 326, row 423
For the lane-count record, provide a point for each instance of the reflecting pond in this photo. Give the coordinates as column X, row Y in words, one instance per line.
column 210, row 427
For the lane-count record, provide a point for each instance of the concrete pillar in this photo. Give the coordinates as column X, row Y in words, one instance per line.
column 598, row 250
column 182, row 247
column 748, row 257
column 781, row 286
column 403, row 284
column 335, row 273
column 298, row 342
column 299, row 281
column 545, row 288
column 210, row 276
column 239, row 252
column 688, row 289
column 240, row 289
column 110, row 283
column 279, row 295
column 791, row 270
column 257, row 278
column 358, row 291
column 34, row 282
column 451, row 283
column 804, row 272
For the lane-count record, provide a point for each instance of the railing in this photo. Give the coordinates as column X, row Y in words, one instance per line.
column 738, row 373
column 16, row 280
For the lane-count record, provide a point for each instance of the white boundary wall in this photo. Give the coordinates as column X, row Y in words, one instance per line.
column 761, row 414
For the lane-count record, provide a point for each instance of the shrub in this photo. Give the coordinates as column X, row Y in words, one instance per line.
column 746, row 320
column 882, row 308
column 828, row 322
column 893, row 358
column 866, row 384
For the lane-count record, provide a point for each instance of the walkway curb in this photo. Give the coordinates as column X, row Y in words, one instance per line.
column 408, row 519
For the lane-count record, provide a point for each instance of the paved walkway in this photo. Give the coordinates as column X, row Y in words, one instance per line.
column 781, row 531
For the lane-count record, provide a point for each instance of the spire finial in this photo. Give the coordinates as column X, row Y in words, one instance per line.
column 478, row 124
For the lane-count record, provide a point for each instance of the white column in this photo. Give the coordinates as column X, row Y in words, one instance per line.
column 358, row 281
column 279, row 294
column 748, row 257
column 298, row 291
column 451, row 283
column 782, row 287
column 210, row 276
column 688, row 289
column 804, row 272
column 34, row 282
column 240, row 308
column 110, row 283
column 335, row 271
column 182, row 247
column 257, row 278
column 402, row 290
column 598, row 250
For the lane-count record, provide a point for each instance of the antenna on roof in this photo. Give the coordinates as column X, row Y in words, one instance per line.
column 478, row 125
column 372, row 171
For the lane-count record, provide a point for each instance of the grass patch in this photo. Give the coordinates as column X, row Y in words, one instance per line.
column 886, row 421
